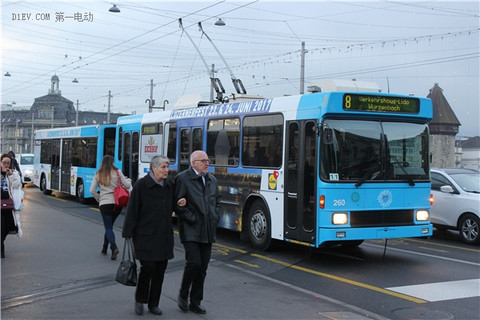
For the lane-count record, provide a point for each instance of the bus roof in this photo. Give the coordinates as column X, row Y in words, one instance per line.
column 343, row 85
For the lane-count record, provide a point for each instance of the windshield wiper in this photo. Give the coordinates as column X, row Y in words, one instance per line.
column 409, row 177
column 370, row 172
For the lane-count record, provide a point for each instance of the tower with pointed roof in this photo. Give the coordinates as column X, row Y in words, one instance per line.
column 443, row 128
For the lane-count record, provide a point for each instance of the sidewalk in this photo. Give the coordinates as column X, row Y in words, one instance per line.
column 56, row 271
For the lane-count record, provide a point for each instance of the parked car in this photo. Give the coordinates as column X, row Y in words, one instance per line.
column 25, row 160
column 456, row 202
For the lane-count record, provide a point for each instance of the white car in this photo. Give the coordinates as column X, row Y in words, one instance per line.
column 456, row 202
column 25, row 161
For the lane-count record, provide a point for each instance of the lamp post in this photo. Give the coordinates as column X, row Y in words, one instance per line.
column 108, row 111
column 32, row 134
column 76, row 115
column 16, row 135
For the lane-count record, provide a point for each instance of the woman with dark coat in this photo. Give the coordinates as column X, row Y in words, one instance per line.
column 148, row 221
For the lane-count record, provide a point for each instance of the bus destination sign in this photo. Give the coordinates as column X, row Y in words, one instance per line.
column 360, row 102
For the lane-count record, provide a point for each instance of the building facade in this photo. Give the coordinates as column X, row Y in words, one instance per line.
column 49, row 111
column 470, row 150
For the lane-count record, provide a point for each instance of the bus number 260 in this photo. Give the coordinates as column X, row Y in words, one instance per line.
column 339, row 202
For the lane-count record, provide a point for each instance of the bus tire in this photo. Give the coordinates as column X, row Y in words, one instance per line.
column 43, row 186
column 259, row 226
column 80, row 192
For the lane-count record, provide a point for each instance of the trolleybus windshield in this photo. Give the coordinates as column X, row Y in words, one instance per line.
column 353, row 150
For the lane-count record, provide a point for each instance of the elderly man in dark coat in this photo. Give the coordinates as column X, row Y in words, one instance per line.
column 197, row 227
column 148, row 221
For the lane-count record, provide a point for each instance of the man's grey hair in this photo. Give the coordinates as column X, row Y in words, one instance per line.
column 157, row 161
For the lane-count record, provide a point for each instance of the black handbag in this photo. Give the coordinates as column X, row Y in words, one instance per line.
column 127, row 271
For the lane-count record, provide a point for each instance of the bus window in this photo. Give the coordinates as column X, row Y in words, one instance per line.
column 109, row 141
column 120, row 143
column 46, row 152
column 184, row 146
column 84, row 152
column 262, row 135
column 171, row 141
column 223, row 140
column 126, row 155
column 135, row 146
column 197, row 139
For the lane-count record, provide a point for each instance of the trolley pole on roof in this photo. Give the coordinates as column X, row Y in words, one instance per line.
column 216, row 84
column 302, row 69
column 237, row 83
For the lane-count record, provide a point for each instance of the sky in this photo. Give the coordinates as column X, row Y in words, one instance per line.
column 404, row 46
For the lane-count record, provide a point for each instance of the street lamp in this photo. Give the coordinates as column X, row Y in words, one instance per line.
column 114, row 9
column 220, row 22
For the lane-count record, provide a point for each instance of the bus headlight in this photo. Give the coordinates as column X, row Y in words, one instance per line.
column 423, row 215
column 340, row 218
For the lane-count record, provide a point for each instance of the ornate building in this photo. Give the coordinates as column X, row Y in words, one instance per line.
column 49, row 111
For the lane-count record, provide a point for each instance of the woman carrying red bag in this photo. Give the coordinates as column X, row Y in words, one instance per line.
column 107, row 180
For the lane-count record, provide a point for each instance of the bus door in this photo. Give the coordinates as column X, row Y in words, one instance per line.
column 55, row 165
column 129, row 154
column 191, row 139
column 301, row 150
column 66, row 165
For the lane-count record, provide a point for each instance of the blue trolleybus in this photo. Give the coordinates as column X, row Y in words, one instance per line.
column 314, row 169
column 66, row 159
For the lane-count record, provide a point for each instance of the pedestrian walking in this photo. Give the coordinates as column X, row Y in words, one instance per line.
column 10, row 179
column 148, row 222
column 15, row 164
column 107, row 178
column 197, row 227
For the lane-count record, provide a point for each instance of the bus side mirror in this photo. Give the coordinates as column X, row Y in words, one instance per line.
column 328, row 136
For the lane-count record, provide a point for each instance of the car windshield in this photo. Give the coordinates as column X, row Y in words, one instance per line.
column 469, row 182
column 26, row 160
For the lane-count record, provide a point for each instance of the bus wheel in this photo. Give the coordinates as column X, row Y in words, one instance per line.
column 43, row 186
column 470, row 229
column 80, row 192
column 259, row 226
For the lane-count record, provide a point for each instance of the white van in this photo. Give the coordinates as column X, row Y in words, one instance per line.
column 25, row 161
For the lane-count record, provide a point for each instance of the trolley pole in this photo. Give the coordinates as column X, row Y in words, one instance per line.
column 108, row 110
column 76, row 115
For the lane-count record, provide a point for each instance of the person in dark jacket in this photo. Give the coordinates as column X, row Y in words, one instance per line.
column 148, row 221
column 197, row 227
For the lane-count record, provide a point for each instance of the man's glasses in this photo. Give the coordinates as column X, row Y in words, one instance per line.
column 6, row 163
column 203, row 160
